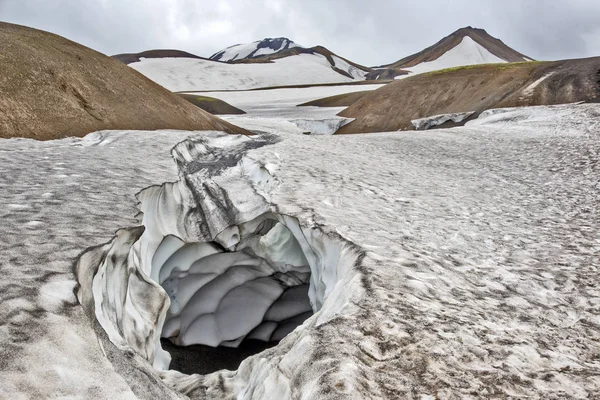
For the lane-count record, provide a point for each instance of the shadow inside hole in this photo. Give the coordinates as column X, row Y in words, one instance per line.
column 201, row 359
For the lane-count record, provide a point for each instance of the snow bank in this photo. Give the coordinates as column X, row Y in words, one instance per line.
column 529, row 90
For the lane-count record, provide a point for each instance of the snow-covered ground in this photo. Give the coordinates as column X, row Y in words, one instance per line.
column 467, row 52
column 479, row 257
column 187, row 74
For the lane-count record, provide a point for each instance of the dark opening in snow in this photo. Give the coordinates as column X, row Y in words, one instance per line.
column 229, row 304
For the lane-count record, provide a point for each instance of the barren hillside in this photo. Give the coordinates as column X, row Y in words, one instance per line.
column 51, row 87
column 474, row 88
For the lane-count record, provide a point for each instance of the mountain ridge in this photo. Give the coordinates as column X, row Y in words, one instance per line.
column 128, row 58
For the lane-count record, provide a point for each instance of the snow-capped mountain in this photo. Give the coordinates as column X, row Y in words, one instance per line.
column 269, row 49
column 261, row 64
column 259, row 48
column 466, row 46
column 190, row 74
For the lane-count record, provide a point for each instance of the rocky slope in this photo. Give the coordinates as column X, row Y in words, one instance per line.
column 51, row 88
column 473, row 89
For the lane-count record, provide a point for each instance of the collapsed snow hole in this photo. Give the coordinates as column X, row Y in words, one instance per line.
column 210, row 304
column 227, row 304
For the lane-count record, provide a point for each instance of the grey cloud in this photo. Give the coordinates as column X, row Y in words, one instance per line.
column 369, row 33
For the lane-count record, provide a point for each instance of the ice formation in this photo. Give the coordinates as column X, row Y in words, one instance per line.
column 422, row 124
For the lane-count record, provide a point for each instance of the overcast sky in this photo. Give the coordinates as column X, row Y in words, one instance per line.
column 368, row 32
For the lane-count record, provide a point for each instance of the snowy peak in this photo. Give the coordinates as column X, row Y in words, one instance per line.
column 268, row 46
column 466, row 46
column 270, row 50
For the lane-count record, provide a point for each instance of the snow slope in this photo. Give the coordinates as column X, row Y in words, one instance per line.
column 250, row 50
column 183, row 74
column 467, row 52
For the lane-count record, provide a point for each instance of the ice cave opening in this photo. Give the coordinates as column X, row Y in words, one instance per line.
column 227, row 303
column 161, row 293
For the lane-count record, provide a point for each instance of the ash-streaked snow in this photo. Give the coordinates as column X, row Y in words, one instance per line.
column 47, row 345
column 481, row 257
column 482, row 252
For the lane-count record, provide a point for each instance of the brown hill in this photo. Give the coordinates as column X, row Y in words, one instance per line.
column 339, row 100
column 211, row 105
column 474, row 88
column 51, row 87
column 128, row 58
